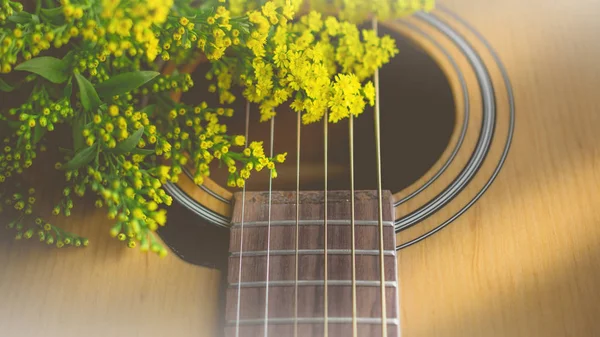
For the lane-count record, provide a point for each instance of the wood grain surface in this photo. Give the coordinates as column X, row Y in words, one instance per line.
column 525, row 260
column 105, row 289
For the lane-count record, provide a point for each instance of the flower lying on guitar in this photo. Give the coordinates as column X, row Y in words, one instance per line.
column 95, row 70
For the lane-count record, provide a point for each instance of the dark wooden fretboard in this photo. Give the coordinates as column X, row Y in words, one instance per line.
column 282, row 266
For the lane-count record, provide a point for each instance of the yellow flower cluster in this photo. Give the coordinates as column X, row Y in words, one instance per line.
column 219, row 34
column 130, row 139
column 359, row 57
column 114, row 128
column 8, row 8
column 359, row 10
column 241, row 7
column 20, row 208
column 133, row 196
column 199, row 136
column 133, row 22
column 27, row 40
column 321, row 63
column 43, row 113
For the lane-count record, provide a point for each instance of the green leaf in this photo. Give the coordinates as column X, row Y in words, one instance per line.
column 68, row 59
column 130, row 143
column 5, row 86
column 48, row 67
column 143, row 152
column 54, row 15
column 38, row 133
column 89, row 96
column 83, row 157
column 123, row 83
column 65, row 151
column 21, row 17
column 52, row 12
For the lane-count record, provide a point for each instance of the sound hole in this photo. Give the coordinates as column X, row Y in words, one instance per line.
column 417, row 119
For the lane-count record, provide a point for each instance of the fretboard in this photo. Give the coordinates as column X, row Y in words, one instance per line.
column 311, row 274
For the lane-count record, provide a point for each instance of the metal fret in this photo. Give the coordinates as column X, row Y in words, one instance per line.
column 312, row 223
column 314, row 320
column 314, row 252
column 308, row 283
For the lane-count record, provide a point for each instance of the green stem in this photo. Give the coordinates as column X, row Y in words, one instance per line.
column 38, row 7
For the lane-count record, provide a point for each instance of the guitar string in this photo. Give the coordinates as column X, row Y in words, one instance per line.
column 237, row 320
column 266, row 327
column 297, row 218
column 352, row 227
column 379, row 198
column 325, row 272
column 297, row 225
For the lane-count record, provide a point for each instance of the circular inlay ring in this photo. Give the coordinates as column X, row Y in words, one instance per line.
column 488, row 141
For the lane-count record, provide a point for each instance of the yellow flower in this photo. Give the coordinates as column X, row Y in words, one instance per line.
column 240, row 182
column 152, row 206
column 78, row 13
column 160, row 217
column 281, row 157
column 239, row 140
column 369, row 92
column 269, row 9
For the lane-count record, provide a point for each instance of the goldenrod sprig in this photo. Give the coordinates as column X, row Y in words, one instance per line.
column 92, row 68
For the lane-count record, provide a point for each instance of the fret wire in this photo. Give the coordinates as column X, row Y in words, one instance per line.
column 297, row 223
column 371, row 252
column 379, row 196
column 331, row 222
column 325, row 271
column 266, row 329
column 237, row 326
column 307, row 283
column 352, row 230
column 316, row 320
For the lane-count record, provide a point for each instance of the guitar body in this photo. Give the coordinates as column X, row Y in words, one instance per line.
column 500, row 234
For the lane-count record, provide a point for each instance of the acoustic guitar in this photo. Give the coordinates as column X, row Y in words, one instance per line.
column 313, row 255
column 487, row 224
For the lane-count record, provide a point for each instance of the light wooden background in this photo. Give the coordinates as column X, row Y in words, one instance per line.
column 525, row 261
